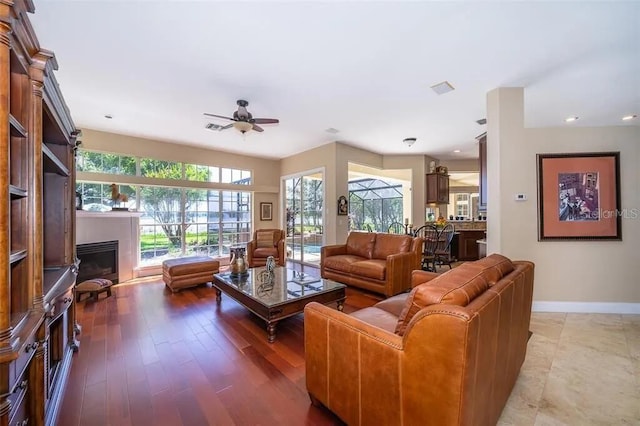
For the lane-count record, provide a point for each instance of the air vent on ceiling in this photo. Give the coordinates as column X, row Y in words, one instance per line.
column 212, row 126
column 442, row 88
column 482, row 121
column 332, row 130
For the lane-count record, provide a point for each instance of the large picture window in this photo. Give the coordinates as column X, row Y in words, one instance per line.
column 177, row 220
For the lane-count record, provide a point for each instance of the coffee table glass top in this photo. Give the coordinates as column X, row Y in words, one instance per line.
column 286, row 285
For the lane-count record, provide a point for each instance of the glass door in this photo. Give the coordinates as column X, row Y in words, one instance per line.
column 304, row 216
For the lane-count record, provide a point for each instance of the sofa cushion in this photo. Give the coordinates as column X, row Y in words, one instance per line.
column 456, row 287
column 371, row 268
column 387, row 244
column 494, row 267
column 265, row 252
column 361, row 244
column 341, row 262
column 264, row 239
column 377, row 317
column 394, row 304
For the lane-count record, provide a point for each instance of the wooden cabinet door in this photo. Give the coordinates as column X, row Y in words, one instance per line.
column 437, row 188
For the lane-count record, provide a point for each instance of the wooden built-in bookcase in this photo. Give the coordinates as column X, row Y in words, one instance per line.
column 37, row 226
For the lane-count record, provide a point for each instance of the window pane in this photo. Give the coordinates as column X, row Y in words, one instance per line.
column 161, row 223
column 95, row 196
column 160, row 169
column 200, row 173
column 105, row 163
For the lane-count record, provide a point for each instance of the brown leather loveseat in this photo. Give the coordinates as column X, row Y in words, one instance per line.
column 374, row 261
column 448, row 353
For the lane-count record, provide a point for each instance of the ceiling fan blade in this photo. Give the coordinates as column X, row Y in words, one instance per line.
column 257, row 128
column 265, row 120
column 218, row 116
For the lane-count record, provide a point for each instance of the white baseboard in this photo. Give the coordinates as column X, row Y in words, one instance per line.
column 587, row 307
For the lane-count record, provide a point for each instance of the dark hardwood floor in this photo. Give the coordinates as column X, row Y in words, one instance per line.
column 149, row 357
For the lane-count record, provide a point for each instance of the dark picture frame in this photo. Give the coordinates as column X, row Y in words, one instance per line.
column 579, row 196
column 266, row 211
column 343, row 206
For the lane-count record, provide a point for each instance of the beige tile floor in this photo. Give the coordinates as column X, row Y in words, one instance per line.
column 580, row 369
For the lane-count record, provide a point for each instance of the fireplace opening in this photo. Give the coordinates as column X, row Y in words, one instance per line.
column 98, row 260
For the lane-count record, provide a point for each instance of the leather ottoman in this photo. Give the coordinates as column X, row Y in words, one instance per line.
column 187, row 272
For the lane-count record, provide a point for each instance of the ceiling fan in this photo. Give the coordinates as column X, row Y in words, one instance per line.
column 242, row 119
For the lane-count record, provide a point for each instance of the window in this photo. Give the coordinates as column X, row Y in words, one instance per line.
column 178, row 220
column 160, row 169
column 99, row 162
column 97, row 197
column 462, row 205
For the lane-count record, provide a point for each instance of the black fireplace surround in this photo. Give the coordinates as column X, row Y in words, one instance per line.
column 98, row 260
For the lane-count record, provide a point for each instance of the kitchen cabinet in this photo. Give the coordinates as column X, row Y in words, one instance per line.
column 468, row 245
column 437, row 188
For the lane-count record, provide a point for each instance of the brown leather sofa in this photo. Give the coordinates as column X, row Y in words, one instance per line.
column 373, row 261
column 265, row 243
column 448, row 353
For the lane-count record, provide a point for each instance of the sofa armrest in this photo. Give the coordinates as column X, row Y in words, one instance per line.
column 333, row 250
column 399, row 268
column 282, row 253
column 420, row 277
column 251, row 246
column 314, row 312
column 341, row 354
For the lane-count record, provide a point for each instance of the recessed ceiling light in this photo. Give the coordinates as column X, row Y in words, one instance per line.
column 442, row 88
column 332, row 130
column 629, row 117
column 456, row 151
column 108, row 116
column 571, row 119
column 482, row 121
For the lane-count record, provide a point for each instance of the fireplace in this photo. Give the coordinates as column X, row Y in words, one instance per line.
column 98, row 260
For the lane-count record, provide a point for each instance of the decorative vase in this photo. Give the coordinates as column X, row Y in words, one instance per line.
column 238, row 265
column 271, row 264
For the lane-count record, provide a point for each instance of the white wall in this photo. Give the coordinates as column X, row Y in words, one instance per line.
column 589, row 275
column 94, row 227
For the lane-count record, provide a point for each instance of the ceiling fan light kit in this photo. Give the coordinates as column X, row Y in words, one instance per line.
column 242, row 119
column 243, row 126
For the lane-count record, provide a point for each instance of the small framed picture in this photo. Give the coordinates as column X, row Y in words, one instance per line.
column 266, row 211
column 343, row 206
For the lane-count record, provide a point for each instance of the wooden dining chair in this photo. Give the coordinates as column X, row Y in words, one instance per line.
column 442, row 252
column 429, row 234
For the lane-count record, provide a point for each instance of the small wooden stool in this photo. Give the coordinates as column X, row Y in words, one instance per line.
column 94, row 287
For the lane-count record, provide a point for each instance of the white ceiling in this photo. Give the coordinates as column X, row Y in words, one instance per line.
column 364, row 68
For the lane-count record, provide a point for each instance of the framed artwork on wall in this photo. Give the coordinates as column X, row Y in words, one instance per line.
column 266, row 211
column 343, row 206
column 579, row 196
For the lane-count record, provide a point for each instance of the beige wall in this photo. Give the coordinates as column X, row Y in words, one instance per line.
column 571, row 271
column 265, row 172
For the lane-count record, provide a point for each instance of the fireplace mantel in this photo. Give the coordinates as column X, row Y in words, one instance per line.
column 123, row 226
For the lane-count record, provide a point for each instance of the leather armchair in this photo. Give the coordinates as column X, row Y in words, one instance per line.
column 265, row 243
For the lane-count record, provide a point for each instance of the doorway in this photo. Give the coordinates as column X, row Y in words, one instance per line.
column 304, row 218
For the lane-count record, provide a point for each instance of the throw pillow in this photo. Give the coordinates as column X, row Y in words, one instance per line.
column 264, row 239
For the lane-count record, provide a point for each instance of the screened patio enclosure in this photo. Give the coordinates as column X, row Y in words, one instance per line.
column 374, row 204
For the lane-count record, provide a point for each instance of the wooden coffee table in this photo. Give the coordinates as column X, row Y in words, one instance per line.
column 283, row 296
